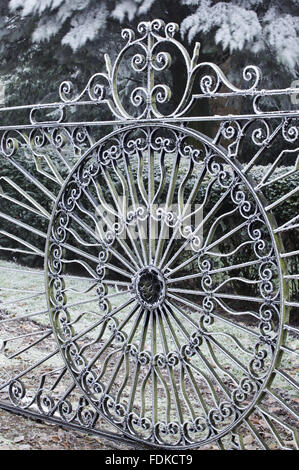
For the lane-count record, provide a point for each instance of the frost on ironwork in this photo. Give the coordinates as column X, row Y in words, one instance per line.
column 165, row 310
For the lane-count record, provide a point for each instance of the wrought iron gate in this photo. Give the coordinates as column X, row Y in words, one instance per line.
column 167, row 312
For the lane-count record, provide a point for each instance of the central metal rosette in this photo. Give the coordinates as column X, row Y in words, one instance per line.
column 164, row 285
column 149, row 287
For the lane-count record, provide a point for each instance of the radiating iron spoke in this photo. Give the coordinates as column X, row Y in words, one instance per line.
column 198, row 228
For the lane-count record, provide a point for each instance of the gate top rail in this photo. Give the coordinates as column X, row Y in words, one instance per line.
column 147, row 59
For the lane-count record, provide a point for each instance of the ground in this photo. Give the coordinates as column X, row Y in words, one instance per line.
column 20, row 433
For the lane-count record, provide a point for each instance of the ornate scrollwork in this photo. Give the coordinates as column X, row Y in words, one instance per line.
column 154, row 285
column 147, row 60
